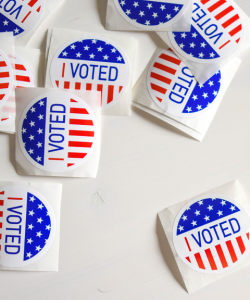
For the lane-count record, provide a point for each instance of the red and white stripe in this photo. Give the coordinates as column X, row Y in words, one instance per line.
column 226, row 15
column 5, row 79
column 220, row 256
column 34, row 6
column 162, row 74
column 23, row 75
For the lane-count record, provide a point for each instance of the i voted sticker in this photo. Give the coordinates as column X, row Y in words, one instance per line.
column 211, row 234
column 57, row 132
column 27, row 226
column 217, row 32
column 20, row 16
column 24, row 76
column 174, row 89
column 151, row 15
column 92, row 64
column 6, row 78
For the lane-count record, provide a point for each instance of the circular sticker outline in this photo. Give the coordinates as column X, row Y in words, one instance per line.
column 185, row 207
column 26, row 109
column 104, row 39
column 52, row 231
column 182, row 115
column 152, row 27
column 209, row 61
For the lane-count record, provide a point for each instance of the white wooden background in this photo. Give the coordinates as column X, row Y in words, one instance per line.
column 112, row 247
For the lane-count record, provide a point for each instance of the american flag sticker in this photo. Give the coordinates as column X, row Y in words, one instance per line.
column 211, row 233
column 20, row 16
column 24, row 76
column 27, row 226
column 57, row 132
column 217, row 32
column 6, row 78
column 151, row 15
column 92, row 64
column 174, row 89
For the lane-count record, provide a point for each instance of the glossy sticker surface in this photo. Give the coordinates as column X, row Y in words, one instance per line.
column 175, row 90
column 217, row 32
column 92, row 64
column 151, row 14
column 57, row 132
column 27, row 226
column 211, row 233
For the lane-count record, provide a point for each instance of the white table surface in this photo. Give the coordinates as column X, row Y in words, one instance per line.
column 114, row 248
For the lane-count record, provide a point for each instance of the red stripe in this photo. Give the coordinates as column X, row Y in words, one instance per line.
column 160, row 78
column 1, row 213
column 1, row 96
column 1, row 202
column 164, row 68
column 204, row 1
column 171, row 59
column 188, row 244
column 69, row 165
column 224, row 44
column 78, row 85
column 231, row 251
column 76, row 155
column 230, row 21
column 88, row 86
column 26, row 16
column 159, row 99
column 81, row 133
column 224, row 12
column 3, row 64
column 221, row 256
column 22, row 78
column 12, row 198
column 237, row 41
column 63, row 70
column 74, row 110
column 4, row 74
column 1, row 226
column 39, row 8
column 2, row 193
column 72, row 100
column 80, row 122
column 199, row 261
column 216, row 5
column 241, row 244
column 235, row 30
column 211, row 259
column 66, row 84
column 248, row 235
column 57, row 83
column 32, row 3
column 20, row 67
column 110, row 93
column 158, row 88
column 80, row 144
column 0, row 236
column 187, row 258
column 4, row 119
column 99, row 89
column 4, row 85
column 120, row 88
column 51, row 158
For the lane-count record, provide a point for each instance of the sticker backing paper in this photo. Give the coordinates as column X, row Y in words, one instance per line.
column 27, row 226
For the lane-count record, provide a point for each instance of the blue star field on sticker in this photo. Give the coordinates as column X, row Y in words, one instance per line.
column 6, row 25
column 92, row 50
column 194, row 44
column 203, row 212
column 150, row 13
column 38, row 227
column 203, row 94
column 33, row 131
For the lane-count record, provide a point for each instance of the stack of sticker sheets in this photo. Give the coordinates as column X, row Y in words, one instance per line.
column 54, row 102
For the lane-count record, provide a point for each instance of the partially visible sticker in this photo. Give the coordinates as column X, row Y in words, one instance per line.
column 175, row 90
column 211, row 234
column 24, row 76
column 27, row 226
column 6, row 78
column 92, row 64
column 153, row 14
column 20, row 16
column 57, row 132
column 217, row 32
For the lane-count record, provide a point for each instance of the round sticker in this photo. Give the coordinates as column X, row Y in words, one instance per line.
column 217, row 32
column 211, row 233
column 174, row 89
column 151, row 15
column 92, row 64
column 57, row 132
column 24, row 77
column 6, row 78
column 20, row 16
column 27, row 226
